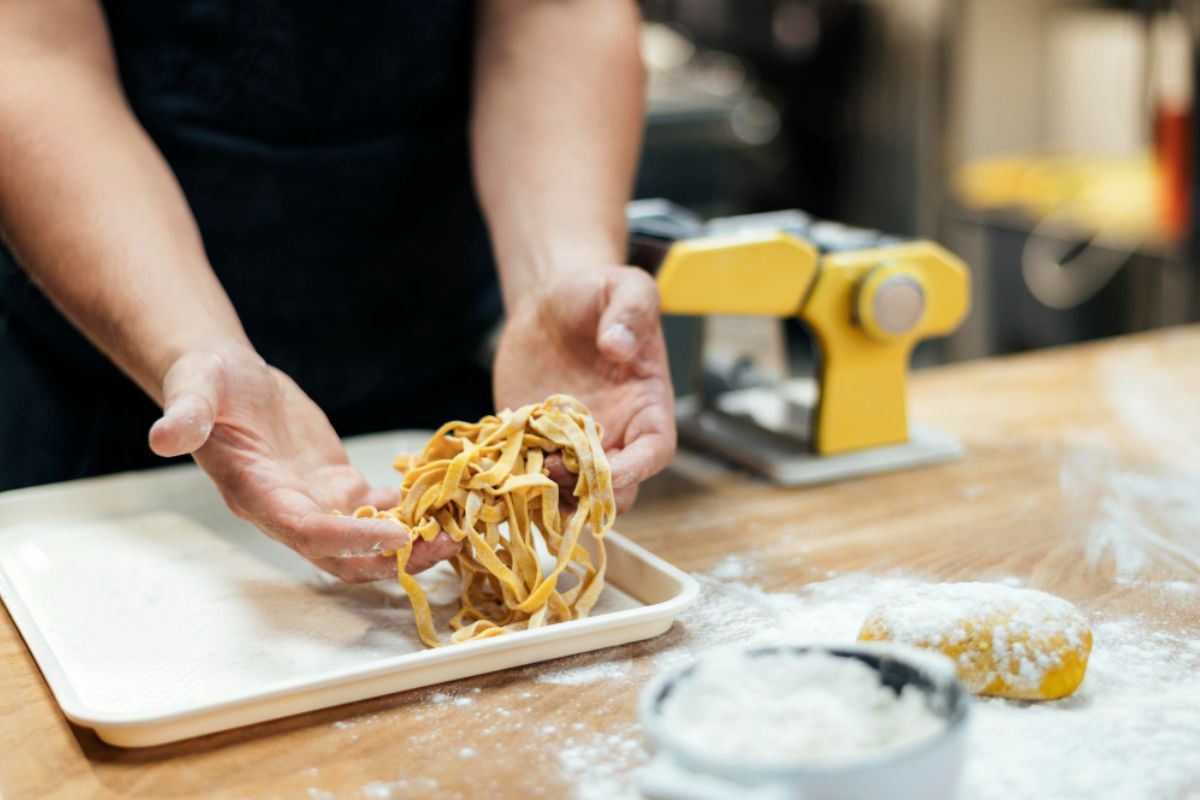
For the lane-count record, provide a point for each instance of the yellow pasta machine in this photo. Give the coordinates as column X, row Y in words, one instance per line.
column 867, row 300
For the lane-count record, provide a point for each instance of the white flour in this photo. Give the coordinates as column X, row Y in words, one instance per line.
column 733, row 568
column 1133, row 520
column 793, row 708
column 1155, row 407
column 1132, row 730
column 582, row 673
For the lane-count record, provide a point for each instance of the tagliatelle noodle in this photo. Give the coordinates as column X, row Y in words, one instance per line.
column 486, row 485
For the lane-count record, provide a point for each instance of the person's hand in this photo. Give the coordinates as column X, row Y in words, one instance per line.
column 597, row 336
column 278, row 463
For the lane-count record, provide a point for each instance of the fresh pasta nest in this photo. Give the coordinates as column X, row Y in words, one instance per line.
column 486, row 484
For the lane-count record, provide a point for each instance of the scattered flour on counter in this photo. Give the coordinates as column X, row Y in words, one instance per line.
column 1132, row 730
column 1134, row 519
column 382, row 790
column 600, row 765
column 386, row 790
column 585, row 673
column 731, row 613
column 793, row 708
column 1134, row 510
column 1157, row 407
column 733, row 567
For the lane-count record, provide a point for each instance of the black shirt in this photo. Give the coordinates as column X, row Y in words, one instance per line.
column 323, row 150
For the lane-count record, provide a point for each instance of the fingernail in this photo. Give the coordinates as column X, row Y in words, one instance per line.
column 620, row 338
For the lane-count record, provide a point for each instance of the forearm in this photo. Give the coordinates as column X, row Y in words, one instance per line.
column 87, row 203
column 556, row 128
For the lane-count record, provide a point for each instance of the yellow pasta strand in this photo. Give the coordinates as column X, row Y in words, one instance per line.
column 485, row 484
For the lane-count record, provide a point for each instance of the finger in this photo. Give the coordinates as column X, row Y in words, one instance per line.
column 425, row 554
column 559, row 473
column 295, row 520
column 383, row 497
column 362, row 569
column 625, row 498
column 649, row 448
column 567, row 503
column 630, row 315
column 184, row 426
column 566, row 480
column 324, row 535
column 190, row 403
column 641, row 458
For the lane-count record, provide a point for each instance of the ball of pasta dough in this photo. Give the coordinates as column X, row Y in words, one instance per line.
column 1006, row 642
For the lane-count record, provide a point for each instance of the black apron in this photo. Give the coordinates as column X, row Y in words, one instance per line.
column 323, row 150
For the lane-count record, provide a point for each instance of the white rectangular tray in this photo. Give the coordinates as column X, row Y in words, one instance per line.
column 155, row 615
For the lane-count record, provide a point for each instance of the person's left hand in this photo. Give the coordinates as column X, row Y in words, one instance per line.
column 597, row 336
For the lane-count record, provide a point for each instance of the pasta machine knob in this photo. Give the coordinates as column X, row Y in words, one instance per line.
column 890, row 302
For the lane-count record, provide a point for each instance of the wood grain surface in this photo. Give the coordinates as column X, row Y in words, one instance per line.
column 1052, row 437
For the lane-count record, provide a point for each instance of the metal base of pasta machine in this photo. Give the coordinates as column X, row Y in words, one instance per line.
column 767, row 430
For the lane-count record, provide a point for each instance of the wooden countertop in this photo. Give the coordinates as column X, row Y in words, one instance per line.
column 1046, row 434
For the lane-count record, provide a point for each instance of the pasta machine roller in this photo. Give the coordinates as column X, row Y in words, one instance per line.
column 867, row 300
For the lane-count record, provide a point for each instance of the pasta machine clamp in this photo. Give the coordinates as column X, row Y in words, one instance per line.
column 867, row 300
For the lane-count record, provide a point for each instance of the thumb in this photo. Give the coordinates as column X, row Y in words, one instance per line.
column 630, row 316
column 191, row 400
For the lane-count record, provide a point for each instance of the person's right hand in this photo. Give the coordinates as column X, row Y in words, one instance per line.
column 279, row 464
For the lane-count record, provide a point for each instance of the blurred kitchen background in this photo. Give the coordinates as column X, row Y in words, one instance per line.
column 1048, row 143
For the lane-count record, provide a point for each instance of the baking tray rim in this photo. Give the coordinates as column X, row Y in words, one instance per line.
column 685, row 592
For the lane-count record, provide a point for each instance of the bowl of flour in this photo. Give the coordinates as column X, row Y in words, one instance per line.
column 812, row 722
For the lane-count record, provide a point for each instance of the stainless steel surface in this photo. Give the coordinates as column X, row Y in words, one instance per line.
column 766, row 430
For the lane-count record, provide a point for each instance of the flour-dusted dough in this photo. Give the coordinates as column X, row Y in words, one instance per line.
column 1006, row 642
column 485, row 484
